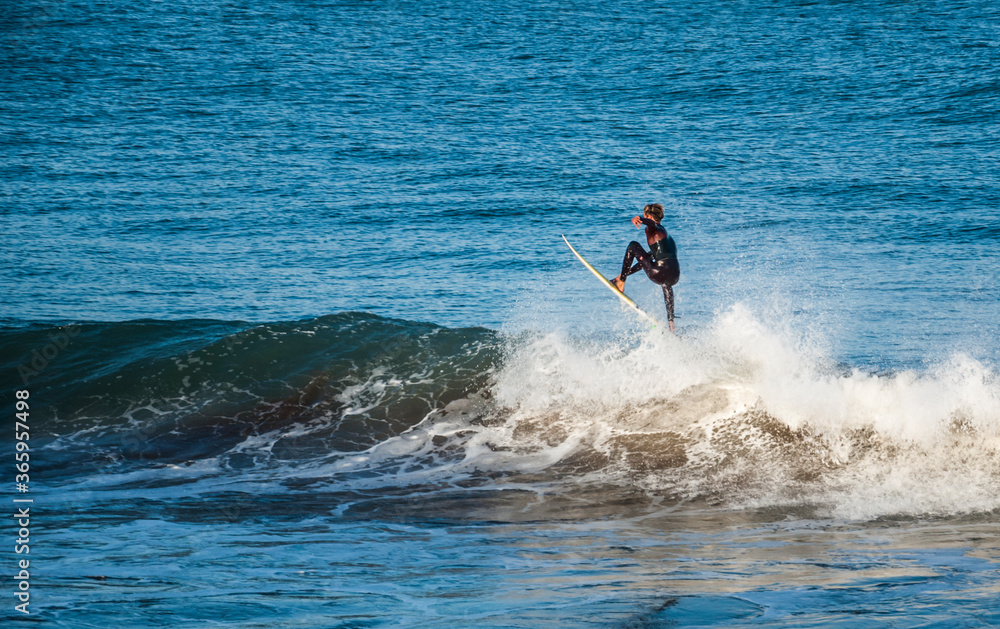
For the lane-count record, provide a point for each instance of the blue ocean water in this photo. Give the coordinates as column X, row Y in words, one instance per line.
column 305, row 348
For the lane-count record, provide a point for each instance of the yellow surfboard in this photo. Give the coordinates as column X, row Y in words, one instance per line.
column 628, row 302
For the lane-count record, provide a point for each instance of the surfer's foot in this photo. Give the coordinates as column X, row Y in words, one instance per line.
column 619, row 283
column 671, row 324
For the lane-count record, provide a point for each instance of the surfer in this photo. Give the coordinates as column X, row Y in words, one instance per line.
column 659, row 263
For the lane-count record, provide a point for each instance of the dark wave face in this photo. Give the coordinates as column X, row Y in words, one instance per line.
column 173, row 392
column 737, row 414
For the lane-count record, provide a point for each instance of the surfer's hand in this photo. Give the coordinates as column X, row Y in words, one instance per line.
column 637, row 221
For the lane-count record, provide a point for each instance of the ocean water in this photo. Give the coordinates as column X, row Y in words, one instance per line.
column 304, row 347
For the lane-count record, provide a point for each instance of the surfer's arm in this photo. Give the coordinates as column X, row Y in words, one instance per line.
column 649, row 223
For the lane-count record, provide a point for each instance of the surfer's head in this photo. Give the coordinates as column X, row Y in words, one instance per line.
column 653, row 211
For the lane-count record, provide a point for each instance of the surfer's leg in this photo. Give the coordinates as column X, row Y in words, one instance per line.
column 633, row 252
column 668, row 299
column 673, row 273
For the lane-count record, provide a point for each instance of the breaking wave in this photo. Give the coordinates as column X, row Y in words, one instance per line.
column 735, row 415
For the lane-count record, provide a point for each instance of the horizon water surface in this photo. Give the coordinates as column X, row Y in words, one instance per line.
column 286, row 286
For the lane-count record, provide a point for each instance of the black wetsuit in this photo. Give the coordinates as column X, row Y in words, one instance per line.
column 660, row 264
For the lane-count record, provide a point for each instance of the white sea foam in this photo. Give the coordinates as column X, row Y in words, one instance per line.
column 761, row 416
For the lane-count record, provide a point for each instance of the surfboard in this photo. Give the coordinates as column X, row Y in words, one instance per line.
column 625, row 299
